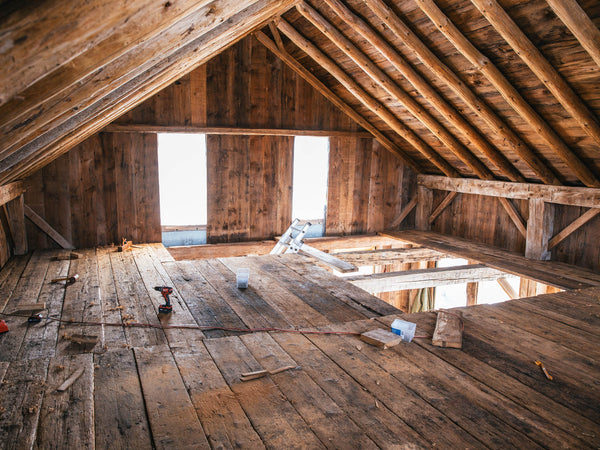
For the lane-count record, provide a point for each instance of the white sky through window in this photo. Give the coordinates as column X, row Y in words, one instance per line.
column 182, row 178
column 311, row 172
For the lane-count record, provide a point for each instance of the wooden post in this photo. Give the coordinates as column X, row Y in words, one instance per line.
column 424, row 208
column 15, row 211
column 539, row 231
column 472, row 291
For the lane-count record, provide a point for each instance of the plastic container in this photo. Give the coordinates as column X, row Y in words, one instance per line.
column 406, row 330
column 242, row 276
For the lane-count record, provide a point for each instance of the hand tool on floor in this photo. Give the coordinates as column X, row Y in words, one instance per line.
column 35, row 318
column 69, row 280
column 165, row 292
column 261, row 373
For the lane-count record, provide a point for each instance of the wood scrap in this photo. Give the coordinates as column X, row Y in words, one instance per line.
column 69, row 381
column 70, row 256
column 126, row 245
column 29, row 308
column 448, row 330
column 381, row 338
column 261, row 373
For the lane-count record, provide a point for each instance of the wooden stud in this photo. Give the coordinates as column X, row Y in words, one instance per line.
column 573, row 226
column 424, row 208
column 444, row 73
column 327, row 93
column 508, row 91
column 15, row 212
column 426, row 90
column 472, row 291
column 380, row 110
column 540, row 66
column 507, row 287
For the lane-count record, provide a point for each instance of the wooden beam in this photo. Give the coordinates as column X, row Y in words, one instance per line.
column 507, row 287
column 396, row 92
column 405, row 212
column 158, row 74
column 333, row 98
column 573, row 226
column 574, row 196
column 276, row 36
column 11, row 191
column 236, row 131
column 539, row 65
column 539, row 229
column 424, row 278
column 472, row 291
column 424, row 208
column 15, row 213
column 508, row 91
column 330, row 244
column 358, row 92
column 445, row 74
column 391, row 256
column 46, row 228
column 580, row 24
column 553, row 273
column 331, row 260
column 426, row 90
column 442, row 206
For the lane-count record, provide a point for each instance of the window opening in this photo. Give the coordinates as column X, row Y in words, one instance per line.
column 311, row 174
column 182, row 173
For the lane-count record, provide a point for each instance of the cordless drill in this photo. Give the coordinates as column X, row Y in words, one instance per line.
column 165, row 292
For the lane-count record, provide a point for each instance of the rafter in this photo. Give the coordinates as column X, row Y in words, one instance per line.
column 84, row 122
column 380, row 110
column 327, row 93
column 507, row 90
column 580, row 24
column 445, row 74
column 539, row 65
column 426, row 90
column 397, row 93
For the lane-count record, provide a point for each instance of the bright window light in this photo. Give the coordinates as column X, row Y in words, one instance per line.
column 311, row 171
column 182, row 178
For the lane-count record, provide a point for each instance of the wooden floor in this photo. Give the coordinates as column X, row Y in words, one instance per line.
column 165, row 387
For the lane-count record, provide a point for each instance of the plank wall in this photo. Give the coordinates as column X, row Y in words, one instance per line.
column 103, row 190
column 107, row 187
column 483, row 219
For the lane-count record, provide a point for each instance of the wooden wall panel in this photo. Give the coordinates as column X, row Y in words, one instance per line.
column 367, row 187
column 244, row 86
column 250, row 187
column 483, row 219
column 101, row 191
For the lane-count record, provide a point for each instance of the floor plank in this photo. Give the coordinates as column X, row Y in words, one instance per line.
column 67, row 418
column 21, row 394
column 119, row 412
column 260, row 398
column 221, row 415
column 171, row 414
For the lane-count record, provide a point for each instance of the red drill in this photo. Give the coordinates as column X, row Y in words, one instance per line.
column 165, row 292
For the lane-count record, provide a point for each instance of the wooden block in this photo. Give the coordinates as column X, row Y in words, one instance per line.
column 25, row 308
column 83, row 339
column 381, row 338
column 448, row 330
column 70, row 256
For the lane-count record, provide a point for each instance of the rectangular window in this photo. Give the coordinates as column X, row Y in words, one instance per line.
column 311, row 173
column 183, row 193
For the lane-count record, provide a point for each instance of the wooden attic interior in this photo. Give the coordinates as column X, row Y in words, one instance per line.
column 456, row 127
